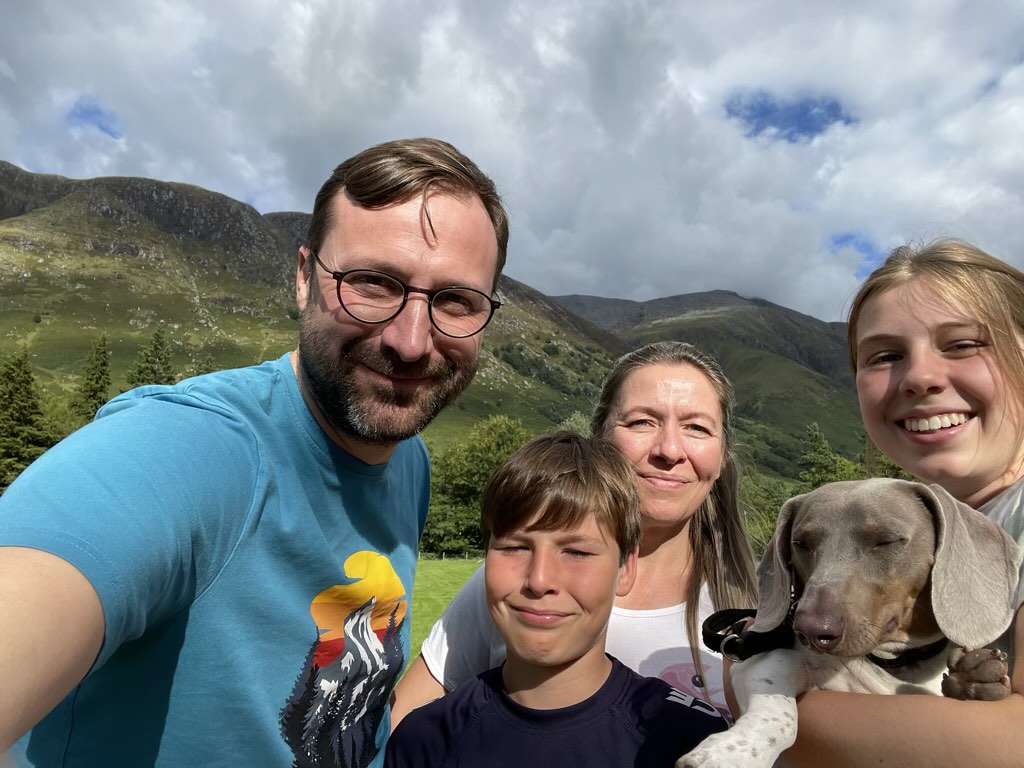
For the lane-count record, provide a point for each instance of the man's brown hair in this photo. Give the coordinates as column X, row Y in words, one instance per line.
column 397, row 171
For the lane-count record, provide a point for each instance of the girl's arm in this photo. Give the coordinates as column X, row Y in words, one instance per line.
column 416, row 688
column 461, row 644
column 853, row 730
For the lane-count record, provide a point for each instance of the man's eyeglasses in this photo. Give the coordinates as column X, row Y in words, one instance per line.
column 370, row 296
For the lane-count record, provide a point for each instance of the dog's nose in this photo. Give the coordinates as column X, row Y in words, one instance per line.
column 820, row 634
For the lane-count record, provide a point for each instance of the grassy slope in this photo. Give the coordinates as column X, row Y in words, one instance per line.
column 77, row 290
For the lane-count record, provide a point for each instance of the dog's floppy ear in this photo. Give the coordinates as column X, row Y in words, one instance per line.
column 974, row 579
column 774, row 582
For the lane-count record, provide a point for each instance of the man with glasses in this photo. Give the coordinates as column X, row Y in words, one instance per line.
column 219, row 572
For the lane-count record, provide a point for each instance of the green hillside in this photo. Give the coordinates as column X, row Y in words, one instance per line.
column 66, row 276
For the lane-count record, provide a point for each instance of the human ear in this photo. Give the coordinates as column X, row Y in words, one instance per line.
column 302, row 279
column 627, row 575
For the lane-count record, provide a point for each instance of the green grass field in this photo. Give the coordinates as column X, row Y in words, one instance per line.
column 437, row 581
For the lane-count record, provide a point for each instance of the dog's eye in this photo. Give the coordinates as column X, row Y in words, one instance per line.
column 889, row 542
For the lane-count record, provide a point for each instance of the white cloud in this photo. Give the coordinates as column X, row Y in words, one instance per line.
column 603, row 123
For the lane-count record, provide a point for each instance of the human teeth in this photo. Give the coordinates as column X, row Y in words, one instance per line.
column 934, row 422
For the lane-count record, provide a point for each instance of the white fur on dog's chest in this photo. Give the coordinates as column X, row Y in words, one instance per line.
column 766, row 687
column 859, row 675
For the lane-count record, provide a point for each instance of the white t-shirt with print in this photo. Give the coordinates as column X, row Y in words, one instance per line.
column 1007, row 509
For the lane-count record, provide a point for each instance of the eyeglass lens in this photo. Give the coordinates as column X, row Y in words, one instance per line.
column 374, row 298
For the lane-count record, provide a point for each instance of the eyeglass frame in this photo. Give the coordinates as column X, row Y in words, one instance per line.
column 431, row 294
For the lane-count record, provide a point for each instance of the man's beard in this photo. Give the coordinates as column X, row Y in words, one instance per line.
column 374, row 413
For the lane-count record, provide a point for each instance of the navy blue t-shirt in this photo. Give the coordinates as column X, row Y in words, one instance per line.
column 631, row 721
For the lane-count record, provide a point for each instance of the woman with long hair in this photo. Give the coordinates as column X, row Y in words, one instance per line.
column 669, row 408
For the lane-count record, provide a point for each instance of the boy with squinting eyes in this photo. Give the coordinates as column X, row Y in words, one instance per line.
column 562, row 523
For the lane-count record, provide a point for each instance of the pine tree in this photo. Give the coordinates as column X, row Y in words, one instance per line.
column 761, row 499
column 880, row 465
column 94, row 389
column 821, row 465
column 202, row 362
column 23, row 433
column 153, row 364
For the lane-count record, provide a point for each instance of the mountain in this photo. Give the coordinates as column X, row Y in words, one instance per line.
column 124, row 256
column 753, row 323
column 788, row 369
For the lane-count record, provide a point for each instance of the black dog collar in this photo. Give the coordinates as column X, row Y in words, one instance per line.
column 911, row 655
column 723, row 633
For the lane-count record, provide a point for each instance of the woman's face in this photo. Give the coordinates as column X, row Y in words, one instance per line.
column 931, row 394
column 668, row 422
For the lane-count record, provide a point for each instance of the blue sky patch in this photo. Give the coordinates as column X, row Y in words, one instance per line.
column 87, row 113
column 794, row 121
column 871, row 253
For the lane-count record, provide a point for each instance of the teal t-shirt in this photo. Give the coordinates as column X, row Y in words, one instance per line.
column 255, row 578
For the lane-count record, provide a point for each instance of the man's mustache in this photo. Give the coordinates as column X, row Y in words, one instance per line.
column 388, row 363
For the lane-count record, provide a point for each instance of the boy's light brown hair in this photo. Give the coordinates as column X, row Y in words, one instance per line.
column 565, row 477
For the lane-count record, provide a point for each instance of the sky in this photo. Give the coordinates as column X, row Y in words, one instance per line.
column 775, row 148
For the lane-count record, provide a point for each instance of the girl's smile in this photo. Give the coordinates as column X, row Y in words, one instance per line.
column 931, row 394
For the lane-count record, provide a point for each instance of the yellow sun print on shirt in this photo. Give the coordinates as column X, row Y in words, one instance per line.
column 373, row 576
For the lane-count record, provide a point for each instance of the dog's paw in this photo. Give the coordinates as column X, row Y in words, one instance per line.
column 979, row 675
column 723, row 750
